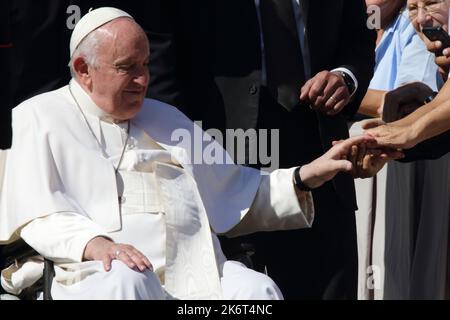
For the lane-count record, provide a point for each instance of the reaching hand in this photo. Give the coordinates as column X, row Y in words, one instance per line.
column 105, row 250
column 327, row 166
column 367, row 161
column 389, row 135
column 325, row 92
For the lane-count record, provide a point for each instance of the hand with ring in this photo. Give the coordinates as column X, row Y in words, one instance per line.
column 333, row 100
column 326, row 92
column 105, row 250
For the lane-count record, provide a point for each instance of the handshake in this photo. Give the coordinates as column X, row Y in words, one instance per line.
column 360, row 156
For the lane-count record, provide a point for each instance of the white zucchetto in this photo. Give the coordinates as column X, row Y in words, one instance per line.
column 91, row 21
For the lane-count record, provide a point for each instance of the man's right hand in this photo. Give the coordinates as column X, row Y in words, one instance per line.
column 103, row 249
column 443, row 61
column 326, row 92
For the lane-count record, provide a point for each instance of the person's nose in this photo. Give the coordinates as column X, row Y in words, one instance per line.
column 422, row 16
column 142, row 78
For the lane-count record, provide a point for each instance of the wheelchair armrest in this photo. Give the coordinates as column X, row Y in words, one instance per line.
column 17, row 251
column 20, row 250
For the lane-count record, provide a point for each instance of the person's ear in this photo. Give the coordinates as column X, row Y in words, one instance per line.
column 82, row 71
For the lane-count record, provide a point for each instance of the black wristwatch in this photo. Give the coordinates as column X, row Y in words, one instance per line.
column 299, row 182
column 351, row 86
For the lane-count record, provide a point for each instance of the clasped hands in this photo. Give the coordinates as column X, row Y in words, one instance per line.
column 368, row 157
column 360, row 156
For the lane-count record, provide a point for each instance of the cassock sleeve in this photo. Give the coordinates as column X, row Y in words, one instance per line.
column 277, row 206
column 61, row 237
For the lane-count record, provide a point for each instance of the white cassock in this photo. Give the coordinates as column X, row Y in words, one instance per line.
column 60, row 191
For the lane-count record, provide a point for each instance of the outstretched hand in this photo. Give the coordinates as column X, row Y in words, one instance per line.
column 390, row 135
column 333, row 161
column 367, row 161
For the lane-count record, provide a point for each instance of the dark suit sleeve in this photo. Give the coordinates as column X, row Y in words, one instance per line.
column 356, row 50
column 431, row 149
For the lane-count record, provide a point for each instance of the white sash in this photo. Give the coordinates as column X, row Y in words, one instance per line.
column 191, row 267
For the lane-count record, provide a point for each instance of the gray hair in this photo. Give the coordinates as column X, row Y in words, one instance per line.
column 88, row 49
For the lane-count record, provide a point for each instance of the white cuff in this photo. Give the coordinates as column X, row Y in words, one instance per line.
column 277, row 206
column 347, row 71
column 61, row 237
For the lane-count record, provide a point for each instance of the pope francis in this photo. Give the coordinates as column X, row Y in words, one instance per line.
column 95, row 183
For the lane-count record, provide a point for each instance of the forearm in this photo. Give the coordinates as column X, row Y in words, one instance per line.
column 61, row 237
column 277, row 206
column 430, row 149
column 432, row 123
column 371, row 102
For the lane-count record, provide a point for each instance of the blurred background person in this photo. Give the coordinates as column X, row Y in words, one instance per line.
column 431, row 120
column 399, row 49
column 415, row 230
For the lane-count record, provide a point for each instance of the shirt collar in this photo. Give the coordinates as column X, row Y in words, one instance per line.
column 87, row 105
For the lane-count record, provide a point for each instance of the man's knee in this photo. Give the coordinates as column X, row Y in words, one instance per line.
column 133, row 284
column 241, row 283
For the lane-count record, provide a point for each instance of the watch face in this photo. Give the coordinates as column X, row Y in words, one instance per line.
column 348, row 82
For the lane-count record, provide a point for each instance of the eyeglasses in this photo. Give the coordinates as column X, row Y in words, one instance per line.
column 429, row 8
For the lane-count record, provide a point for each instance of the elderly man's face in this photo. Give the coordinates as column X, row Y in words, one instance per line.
column 428, row 13
column 120, row 82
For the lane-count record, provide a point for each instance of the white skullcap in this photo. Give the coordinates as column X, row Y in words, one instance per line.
column 91, row 21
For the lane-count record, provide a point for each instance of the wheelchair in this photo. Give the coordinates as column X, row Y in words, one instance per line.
column 18, row 252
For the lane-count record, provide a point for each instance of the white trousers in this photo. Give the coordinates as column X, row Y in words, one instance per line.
column 122, row 283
